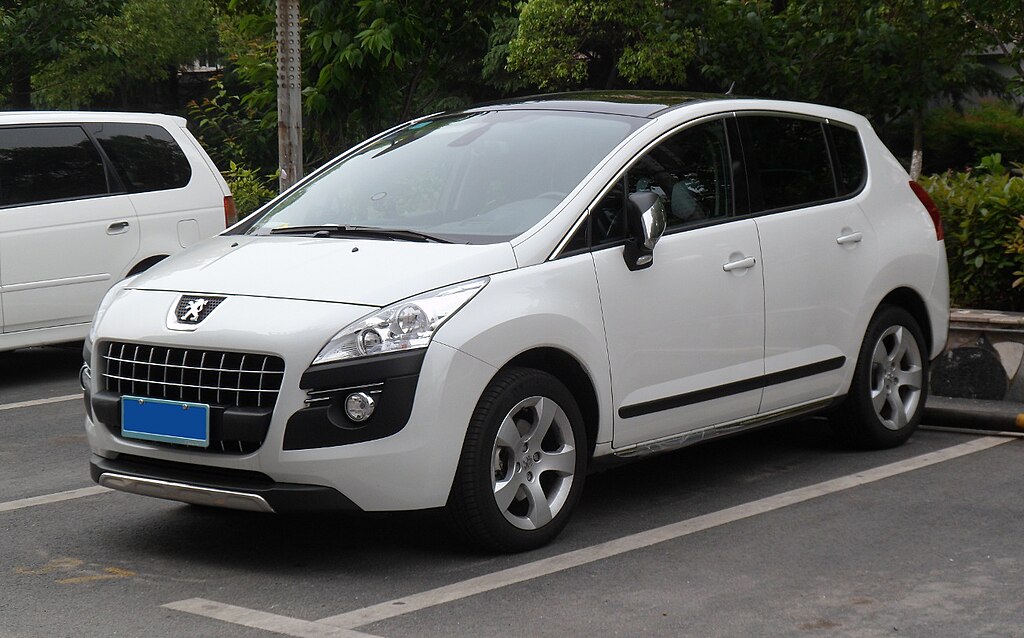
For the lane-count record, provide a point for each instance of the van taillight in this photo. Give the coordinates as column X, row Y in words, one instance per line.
column 230, row 214
column 930, row 206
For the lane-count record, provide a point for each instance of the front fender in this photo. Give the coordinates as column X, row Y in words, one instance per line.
column 555, row 304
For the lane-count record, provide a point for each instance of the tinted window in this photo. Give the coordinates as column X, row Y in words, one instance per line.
column 48, row 163
column 787, row 162
column 145, row 155
column 690, row 172
column 850, row 158
column 580, row 240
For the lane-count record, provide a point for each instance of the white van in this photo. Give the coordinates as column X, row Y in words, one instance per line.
column 472, row 309
column 87, row 199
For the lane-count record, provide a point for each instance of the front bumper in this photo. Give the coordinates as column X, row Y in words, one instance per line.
column 410, row 467
column 201, row 485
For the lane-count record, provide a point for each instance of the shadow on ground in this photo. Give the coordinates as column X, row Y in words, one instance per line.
column 32, row 365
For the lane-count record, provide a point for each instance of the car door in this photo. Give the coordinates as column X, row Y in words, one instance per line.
column 64, row 239
column 686, row 335
column 819, row 251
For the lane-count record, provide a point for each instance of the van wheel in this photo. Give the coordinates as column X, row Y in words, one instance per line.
column 523, row 463
column 890, row 385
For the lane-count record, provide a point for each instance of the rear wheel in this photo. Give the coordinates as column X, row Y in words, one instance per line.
column 523, row 463
column 890, row 385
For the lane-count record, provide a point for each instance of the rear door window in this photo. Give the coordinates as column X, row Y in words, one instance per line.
column 48, row 163
column 145, row 156
column 788, row 162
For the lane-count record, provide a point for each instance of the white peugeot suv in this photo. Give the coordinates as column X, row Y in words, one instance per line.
column 472, row 309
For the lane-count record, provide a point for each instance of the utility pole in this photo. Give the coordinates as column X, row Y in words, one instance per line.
column 289, row 93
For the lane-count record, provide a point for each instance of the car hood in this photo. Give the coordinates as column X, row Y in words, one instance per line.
column 369, row 272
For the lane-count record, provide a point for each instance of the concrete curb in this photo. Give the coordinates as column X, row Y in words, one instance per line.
column 1005, row 416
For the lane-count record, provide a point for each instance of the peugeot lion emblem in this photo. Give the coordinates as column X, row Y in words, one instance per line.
column 190, row 310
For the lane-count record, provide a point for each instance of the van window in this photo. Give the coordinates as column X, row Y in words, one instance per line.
column 145, row 155
column 48, row 163
column 787, row 162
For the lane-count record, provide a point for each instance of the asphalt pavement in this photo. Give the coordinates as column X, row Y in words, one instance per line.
column 780, row 532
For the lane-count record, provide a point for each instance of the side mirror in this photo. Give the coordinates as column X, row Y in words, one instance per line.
column 645, row 219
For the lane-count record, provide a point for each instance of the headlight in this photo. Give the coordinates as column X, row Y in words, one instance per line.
column 406, row 325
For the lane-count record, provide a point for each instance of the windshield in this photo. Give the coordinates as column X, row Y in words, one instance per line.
column 479, row 177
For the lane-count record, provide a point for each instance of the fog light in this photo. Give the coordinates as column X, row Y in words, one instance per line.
column 85, row 377
column 359, row 406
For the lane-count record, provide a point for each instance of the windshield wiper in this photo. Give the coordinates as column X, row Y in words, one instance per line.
column 340, row 230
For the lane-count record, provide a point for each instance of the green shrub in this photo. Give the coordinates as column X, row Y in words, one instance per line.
column 250, row 189
column 955, row 141
column 231, row 131
column 983, row 216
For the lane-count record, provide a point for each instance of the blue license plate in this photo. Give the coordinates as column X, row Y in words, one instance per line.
column 165, row 421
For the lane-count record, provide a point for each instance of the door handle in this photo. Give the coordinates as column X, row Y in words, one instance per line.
column 117, row 228
column 852, row 238
column 742, row 264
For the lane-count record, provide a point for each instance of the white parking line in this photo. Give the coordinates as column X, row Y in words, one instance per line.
column 536, row 569
column 262, row 620
column 29, row 404
column 57, row 497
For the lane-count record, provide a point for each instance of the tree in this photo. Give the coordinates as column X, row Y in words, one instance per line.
column 884, row 58
column 145, row 41
column 378, row 62
column 1003, row 22
column 367, row 64
column 594, row 43
column 34, row 33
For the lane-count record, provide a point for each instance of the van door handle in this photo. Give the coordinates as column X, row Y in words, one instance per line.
column 742, row 264
column 852, row 238
column 117, row 228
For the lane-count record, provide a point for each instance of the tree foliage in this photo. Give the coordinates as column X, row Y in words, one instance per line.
column 883, row 58
column 366, row 64
column 572, row 43
column 1002, row 21
column 145, row 41
column 34, row 33
column 372, row 63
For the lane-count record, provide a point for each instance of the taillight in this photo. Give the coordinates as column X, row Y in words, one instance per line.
column 930, row 206
column 230, row 214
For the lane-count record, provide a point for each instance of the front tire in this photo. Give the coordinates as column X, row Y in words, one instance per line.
column 523, row 463
column 890, row 384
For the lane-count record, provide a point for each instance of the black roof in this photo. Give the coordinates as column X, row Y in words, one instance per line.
column 635, row 103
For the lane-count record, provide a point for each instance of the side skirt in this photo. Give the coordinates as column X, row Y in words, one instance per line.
column 711, row 432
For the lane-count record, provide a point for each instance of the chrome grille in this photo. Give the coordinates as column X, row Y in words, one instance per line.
column 197, row 376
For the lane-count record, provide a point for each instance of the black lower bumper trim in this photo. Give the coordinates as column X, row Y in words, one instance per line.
column 284, row 498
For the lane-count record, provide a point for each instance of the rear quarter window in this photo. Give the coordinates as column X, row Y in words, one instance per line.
column 851, row 167
column 145, row 156
column 48, row 163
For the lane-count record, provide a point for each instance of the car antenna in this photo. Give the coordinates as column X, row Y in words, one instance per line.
column 732, row 86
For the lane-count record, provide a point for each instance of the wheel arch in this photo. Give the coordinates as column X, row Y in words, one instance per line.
column 913, row 303
column 570, row 372
column 146, row 264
